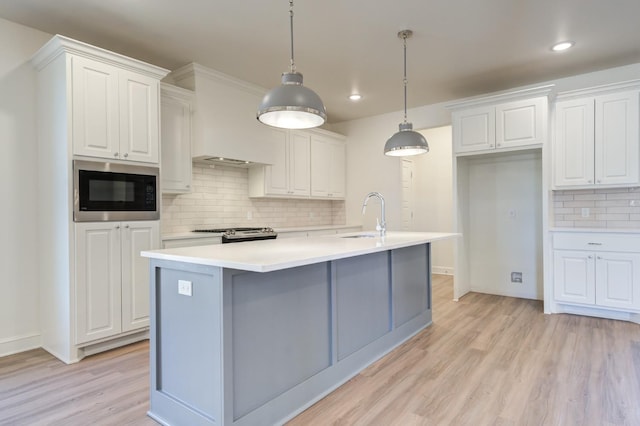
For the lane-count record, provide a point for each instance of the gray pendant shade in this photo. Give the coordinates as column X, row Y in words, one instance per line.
column 291, row 105
column 406, row 142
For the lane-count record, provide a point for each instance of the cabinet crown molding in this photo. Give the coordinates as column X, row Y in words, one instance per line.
column 185, row 77
column 59, row 45
column 600, row 90
column 499, row 97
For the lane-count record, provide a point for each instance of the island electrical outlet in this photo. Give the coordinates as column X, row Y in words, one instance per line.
column 184, row 287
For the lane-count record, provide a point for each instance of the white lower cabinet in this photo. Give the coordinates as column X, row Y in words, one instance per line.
column 599, row 270
column 112, row 279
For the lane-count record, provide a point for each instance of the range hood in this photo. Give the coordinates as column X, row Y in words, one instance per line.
column 223, row 161
column 224, row 118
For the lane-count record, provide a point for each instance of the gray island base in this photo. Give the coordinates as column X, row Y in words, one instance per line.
column 256, row 348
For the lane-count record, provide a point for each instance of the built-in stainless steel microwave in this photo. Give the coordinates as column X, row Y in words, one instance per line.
column 105, row 191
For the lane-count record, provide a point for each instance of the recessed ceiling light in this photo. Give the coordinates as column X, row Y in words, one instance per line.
column 355, row 97
column 559, row 47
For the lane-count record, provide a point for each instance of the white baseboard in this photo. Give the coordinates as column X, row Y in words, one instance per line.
column 442, row 270
column 15, row 345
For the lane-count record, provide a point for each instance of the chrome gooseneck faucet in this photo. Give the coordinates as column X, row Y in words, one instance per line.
column 381, row 224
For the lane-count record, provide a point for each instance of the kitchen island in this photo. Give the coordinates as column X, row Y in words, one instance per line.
column 253, row 333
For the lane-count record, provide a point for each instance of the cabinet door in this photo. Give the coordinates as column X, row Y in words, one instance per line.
column 98, row 290
column 573, row 154
column 617, row 157
column 574, row 276
column 618, row 280
column 136, row 237
column 320, row 166
column 175, row 139
column 299, row 164
column 139, row 117
column 337, row 170
column 521, row 123
column 474, row 129
column 276, row 174
column 95, row 125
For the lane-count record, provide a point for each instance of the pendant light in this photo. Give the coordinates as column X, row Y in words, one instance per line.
column 291, row 105
column 406, row 141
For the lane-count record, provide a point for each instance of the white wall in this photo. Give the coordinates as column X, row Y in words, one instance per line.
column 433, row 202
column 368, row 169
column 19, row 324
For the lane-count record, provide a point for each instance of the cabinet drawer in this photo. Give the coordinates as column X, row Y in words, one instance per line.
column 596, row 242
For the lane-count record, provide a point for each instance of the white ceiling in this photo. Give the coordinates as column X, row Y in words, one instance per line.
column 459, row 48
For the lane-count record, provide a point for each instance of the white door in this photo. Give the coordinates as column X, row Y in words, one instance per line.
column 95, row 119
column 474, row 129
column 574, row 143
column 98, row 276
column 574, row 276
column 618, row 280
column 617, row 156
column 407, row 195
column 139, row 117
column 299, row 164
column 137, row 237
column 521, row 123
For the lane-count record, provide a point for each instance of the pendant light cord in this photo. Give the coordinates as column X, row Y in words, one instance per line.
column 292, row 65
column 404, row 81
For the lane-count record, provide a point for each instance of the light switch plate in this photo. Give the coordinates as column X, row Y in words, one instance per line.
column 184, row 287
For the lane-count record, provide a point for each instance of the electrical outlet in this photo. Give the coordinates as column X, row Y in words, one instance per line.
column 516, row 277
column 586, row 212
column 634, row 203
column 249, row 215
column 184, row 288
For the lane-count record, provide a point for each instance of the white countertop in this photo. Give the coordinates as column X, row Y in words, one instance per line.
column 598, row 230
column 273, row 255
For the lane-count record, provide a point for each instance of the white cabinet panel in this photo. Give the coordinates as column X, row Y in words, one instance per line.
column 139, row 117
column 175, row 137
column 327, row 167
column 521, row 123
column 474, row 129
column 95, row 120
column 597, row 141
column 136, row 237
column 299, row 163
column 574, row 143
column 617, row 151
column 98, row 289
column 618, row 278
column 112, row 279
column 574, row 276
column 597, row 269
column 500, row 126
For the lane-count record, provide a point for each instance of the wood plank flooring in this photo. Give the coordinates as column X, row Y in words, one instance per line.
column 486, row 360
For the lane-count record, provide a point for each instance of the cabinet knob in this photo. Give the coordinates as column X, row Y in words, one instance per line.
column 117, row 226
column 115, row 154
column 187, row 186
column 599, row 181
column 599, row 257
column 498, row 144
column 590, row 257
column 126, row 154
column 126, row 226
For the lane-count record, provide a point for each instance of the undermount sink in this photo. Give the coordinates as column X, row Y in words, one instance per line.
column 360, row 236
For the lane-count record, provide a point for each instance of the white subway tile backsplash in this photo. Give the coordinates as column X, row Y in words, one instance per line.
column 608, row 208
column 220, row 198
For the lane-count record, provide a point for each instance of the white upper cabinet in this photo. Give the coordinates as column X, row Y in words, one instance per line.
column 597, row 140
column 113, row 108
column 490, row 124
column 327, row 166
column 115, row 112
column 175, row 137
column 289, row 175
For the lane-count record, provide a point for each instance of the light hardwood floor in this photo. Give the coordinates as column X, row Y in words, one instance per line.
column 486, row 360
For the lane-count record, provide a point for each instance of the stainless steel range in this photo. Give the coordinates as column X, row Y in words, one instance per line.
column 237, row 235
